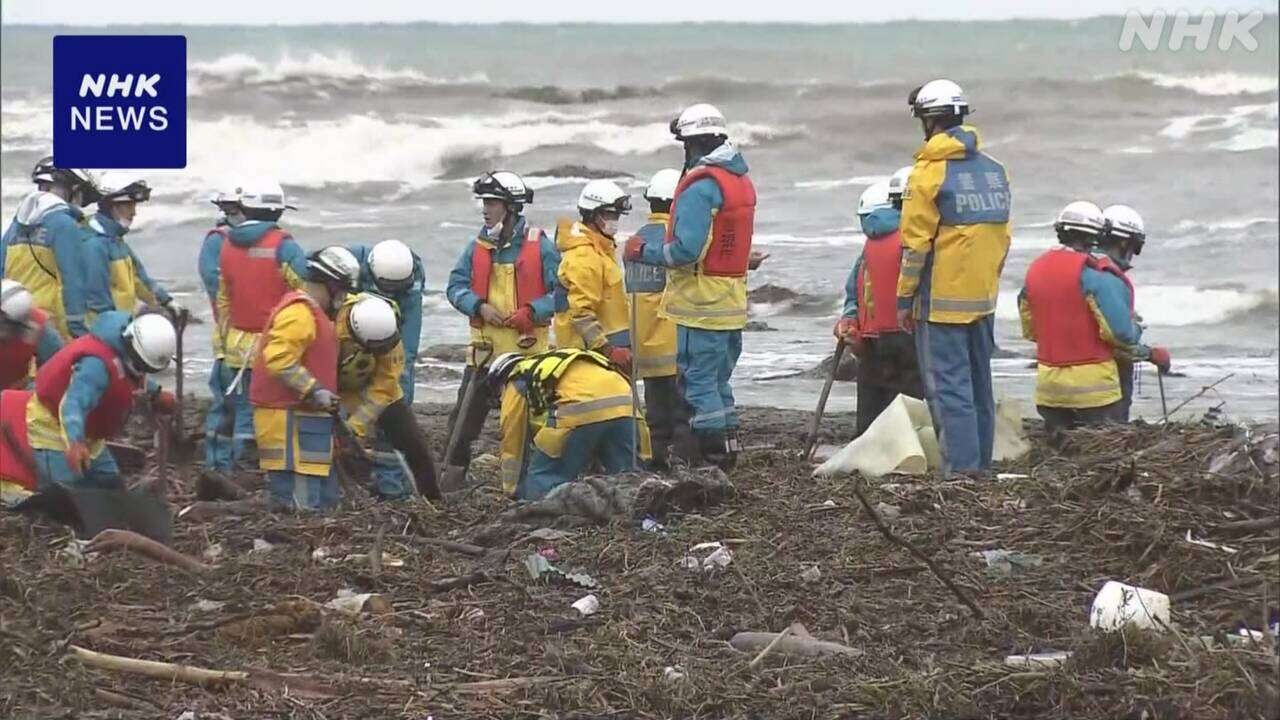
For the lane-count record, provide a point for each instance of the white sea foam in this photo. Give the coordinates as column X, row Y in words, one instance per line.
column 1213, row 84
column 1253, row 126
column 846, row 182
column 313, row 67
column 1174, row 305
column 850, row 239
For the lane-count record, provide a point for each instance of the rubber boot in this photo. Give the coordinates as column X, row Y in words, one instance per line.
column 713, row 448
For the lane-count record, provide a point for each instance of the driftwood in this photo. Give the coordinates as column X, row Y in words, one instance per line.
column 789, row 644
column 127, row 540
column 773, row 645
column 158, row 670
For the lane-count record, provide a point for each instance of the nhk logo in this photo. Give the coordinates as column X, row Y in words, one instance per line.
column 120, row 101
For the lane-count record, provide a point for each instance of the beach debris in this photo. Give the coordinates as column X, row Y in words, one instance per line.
column 1012, row 476
column 811, row 574
column 651, row 525
column 1211, row 545
column 587, row 605
column 352, row 603
column 260, row 545
column 1043, row 660
column 795, row 640
column 1118, row 605
column 1008, row 562
column 539, row 566
column 707, row 557
column 213, row 552
column 887, row 511
column 208, row 606
column 673, row 673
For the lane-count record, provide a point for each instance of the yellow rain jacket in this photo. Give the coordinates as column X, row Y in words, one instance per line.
column 286, row 342
column 655, row 340
column 42, row 250
column 591, row 305
column 955, row 221
column 577, row 388
column 367, row 383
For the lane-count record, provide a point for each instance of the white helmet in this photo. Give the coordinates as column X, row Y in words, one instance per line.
column 334, row 263
column 224, row 194
column 391, row 264
column 603, row 195
column 374, row 324
column 121, row 186
column 151, row 342
column 15, row 301
column 700, row 119
column 875, row 197
column 262, row 194
column 502, row 185
column 662, row 186
column 898, row 182
column 1081, row 216
column 86, row 181
column 1125, row 223
column 938, row 97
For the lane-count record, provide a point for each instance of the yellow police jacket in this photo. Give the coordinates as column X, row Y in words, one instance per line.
column 654, row 345
column 367, row 383
column 591, row 305
column 955, row 218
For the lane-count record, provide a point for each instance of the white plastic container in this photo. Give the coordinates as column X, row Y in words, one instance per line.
column 587, row 605
column 1118, row 605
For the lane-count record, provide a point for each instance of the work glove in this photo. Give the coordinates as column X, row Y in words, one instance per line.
column 78, row 458
column 1161, row 358
column 846, row 328
column 621, row 357
column 522, row 320
column 176, row 311
column 164, row 402
column 634, row 249
column 906, row 321
column 323, row 400
column 491, row 316
column 755, row 259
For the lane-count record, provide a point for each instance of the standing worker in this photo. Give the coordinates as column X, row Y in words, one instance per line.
column 869, row 326
column 42, row 246
column 222, row 452
column 707, row 250
column 258, row 263
column 898, row 185
column 591, row 304
column 1120, row 242
column 654, row 345
column 114, row 277
column 295, row 385
column 955, row 236
column 504, row 282
column 1076, row 312
column 25, row 335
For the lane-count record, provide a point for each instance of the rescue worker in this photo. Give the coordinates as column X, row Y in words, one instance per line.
column 82, row 397
column 654, row 345
column 504, row 283
column 591, row 304
column 258, row 263
column 222, row 450
column 370, row 367
column 393, row 271
column 114, row 277
column 869, row 326
column 1123, row 239
column 707, row 251
column 1075, row 311
column 42, row 246
column 295, row 384
column 955, row 236
column 898, row 185
column 561, row 410
column 25, row 335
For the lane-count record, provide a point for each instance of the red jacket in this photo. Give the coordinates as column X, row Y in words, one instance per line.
column 16, row 352
column 731, row 228
column 881, row 260
column 107, row 419
column 13, row 461
column 320, row 359
column 529, row 282
column 1067, row 331
column 254, row 280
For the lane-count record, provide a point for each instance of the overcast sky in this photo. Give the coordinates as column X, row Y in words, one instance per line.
column 257, row 12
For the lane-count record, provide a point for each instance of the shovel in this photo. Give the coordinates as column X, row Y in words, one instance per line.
column 822, row 400
column 183, row 445
column 454, row 475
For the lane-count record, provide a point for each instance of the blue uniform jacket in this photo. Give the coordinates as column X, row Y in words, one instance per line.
column 63, row 233
column 410, row 304
column 877, row 223
column 694, row 212
column 105, row 247
column 89, row 376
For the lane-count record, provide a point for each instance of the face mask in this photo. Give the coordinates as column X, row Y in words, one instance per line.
column 609, row 227
column 124, row 223
column 495, row 231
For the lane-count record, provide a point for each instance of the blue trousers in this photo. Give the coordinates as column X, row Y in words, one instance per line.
column 955, row 364
column 610, row 442
column 389, row 478
column 52, row 467
column 229, row 424
column 705, row 360
column 295, row 491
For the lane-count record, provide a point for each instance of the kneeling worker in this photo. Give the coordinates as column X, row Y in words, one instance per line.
column 1077, row 313
column 371, row 359
column 571, row 406
column 295, row 384
column 25, row 335
column 82, row 398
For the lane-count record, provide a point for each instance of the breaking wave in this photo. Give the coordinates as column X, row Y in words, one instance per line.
column 1211, row 84
column 315, row 70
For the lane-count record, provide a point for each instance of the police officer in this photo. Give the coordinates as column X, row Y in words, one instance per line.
column 222, row 451
column 115, row 278
column 25, row 335
column 955, row 235
column 591, row 304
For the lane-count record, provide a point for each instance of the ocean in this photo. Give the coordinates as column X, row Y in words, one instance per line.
column 376, row 131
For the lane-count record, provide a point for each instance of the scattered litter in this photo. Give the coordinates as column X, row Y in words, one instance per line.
column 1012, row 476
column 718, row 557
column 213, row 552
column 1212, row 545
column 1051, row 659
column 651, row 525
column 537, row 566
column 587, row 605
column 1007, row 562
column 72, row 553
column 550, row 554
column 204, row 605
column 673, row 673
column 1118, row 605
column 260, row 545
column 388, row 560
column 829, row 503
column 811, row 574
column 887, row 511
column 473, row 614
column 485, row 461
column 321, row 554
column 352, row 603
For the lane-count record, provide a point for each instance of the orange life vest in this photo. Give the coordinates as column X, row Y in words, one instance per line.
column 320, row 359
column 529, row 282
column 16, row 352
column 255, row 282
column 1067, row 332
column 881, row 260
column 731, row 228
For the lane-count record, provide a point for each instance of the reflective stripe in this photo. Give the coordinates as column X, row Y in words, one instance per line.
column 1066, row 389
column 74, row 318
column 586, row 406
column 270, row 453
column 983, row 305
column 645, row 363
column 367, row 413
column 319, row 458
column 588, row 328
column 297, row 377
column 713, row 415
column 262, row 253
column 694, row 312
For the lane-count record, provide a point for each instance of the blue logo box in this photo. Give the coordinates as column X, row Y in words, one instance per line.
column 120, row 101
